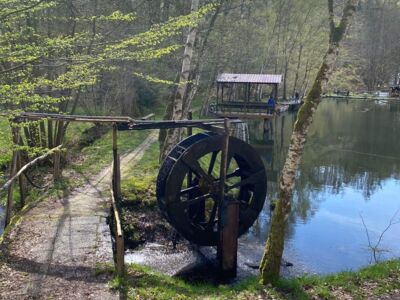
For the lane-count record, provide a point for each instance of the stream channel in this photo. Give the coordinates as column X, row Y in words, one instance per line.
column 350, row 172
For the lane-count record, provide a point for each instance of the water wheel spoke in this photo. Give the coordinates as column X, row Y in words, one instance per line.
column 253, row 179
column 195, row 167
column 235, row 173
column 211, row 220
column 229, row 160
column 189, row 190
column 212, row 162
column 197, row 199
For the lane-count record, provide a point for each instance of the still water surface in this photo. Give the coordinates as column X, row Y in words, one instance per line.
column 350, row 168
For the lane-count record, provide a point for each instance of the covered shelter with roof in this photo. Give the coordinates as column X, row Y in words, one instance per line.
column 246, row 95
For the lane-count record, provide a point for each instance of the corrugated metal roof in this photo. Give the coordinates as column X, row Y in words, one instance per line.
column 249, row 78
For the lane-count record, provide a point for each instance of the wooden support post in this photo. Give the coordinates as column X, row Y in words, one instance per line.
column 21, row 180
column 229, row 238
column 10, row 195
column 119, row 238
column 228, row 216
column 57, row 155
column 116, row 177
column 190, row 129
column 13, row 171
column 56, row 166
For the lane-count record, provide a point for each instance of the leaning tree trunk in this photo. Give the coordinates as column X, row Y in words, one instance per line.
column 174, row 135
column 271, row 261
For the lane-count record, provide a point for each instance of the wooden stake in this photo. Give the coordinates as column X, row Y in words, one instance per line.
column 116, row 176
column 10, row 196
column 228, row 219
column 119, row 237
column 13, row 170
column 57, row 155
column 22, row 182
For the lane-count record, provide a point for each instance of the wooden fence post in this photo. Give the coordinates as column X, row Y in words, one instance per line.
column 22, row 182
column 116, row 177
column 228, row 219
column 119, row 237
column 57, row 155
column 13, row 171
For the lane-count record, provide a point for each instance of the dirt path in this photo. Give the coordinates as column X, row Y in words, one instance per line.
column 55, row 252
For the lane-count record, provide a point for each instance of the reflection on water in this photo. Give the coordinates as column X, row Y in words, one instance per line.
column 350, row 168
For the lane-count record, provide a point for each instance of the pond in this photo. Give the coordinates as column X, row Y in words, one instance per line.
column 350, row 172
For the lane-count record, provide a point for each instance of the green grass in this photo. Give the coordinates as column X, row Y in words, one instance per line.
column 99, row 154
column 144, row 283
column 5, row 143
column 139, row 186
column 381, row 279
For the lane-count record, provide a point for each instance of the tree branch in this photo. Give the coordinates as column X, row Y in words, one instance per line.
column 27, row 166
column 5, row 16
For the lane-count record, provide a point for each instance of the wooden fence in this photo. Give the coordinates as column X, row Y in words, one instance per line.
column 118, row 123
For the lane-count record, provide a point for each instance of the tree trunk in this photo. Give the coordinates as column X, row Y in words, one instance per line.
column 197, row 70
column 296, row 78
column 270, row 264
column 174, row 135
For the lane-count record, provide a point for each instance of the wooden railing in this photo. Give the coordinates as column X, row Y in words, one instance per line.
column 115, row 199
column 16, row 173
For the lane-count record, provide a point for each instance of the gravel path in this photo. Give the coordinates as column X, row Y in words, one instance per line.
column 55, row 251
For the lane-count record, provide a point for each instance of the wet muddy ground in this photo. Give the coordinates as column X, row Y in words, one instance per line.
column 152, row 242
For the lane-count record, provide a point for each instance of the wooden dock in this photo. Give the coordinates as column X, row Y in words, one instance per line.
column 369, row 97
column 245, row 115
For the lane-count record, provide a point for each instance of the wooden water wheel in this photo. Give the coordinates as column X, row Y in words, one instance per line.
column 188, row 186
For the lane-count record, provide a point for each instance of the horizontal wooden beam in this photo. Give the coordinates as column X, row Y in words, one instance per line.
column 124, row 123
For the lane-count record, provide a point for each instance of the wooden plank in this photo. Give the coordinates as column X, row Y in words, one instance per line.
column 149, row 116
column 116, row 176
column 21, row 180
column 119, row 238
column 9, row 186
column 229, row 239
column 222, row 178
column 244, row 115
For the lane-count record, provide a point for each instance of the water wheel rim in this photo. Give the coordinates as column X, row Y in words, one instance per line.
column 169, row 189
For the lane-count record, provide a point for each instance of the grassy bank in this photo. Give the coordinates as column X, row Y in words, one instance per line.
column 373, row 282
column 92, row 158
column 5, row 146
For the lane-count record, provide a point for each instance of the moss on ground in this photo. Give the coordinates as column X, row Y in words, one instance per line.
column 98, row 155
column 139, row 187
column 140, row 216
